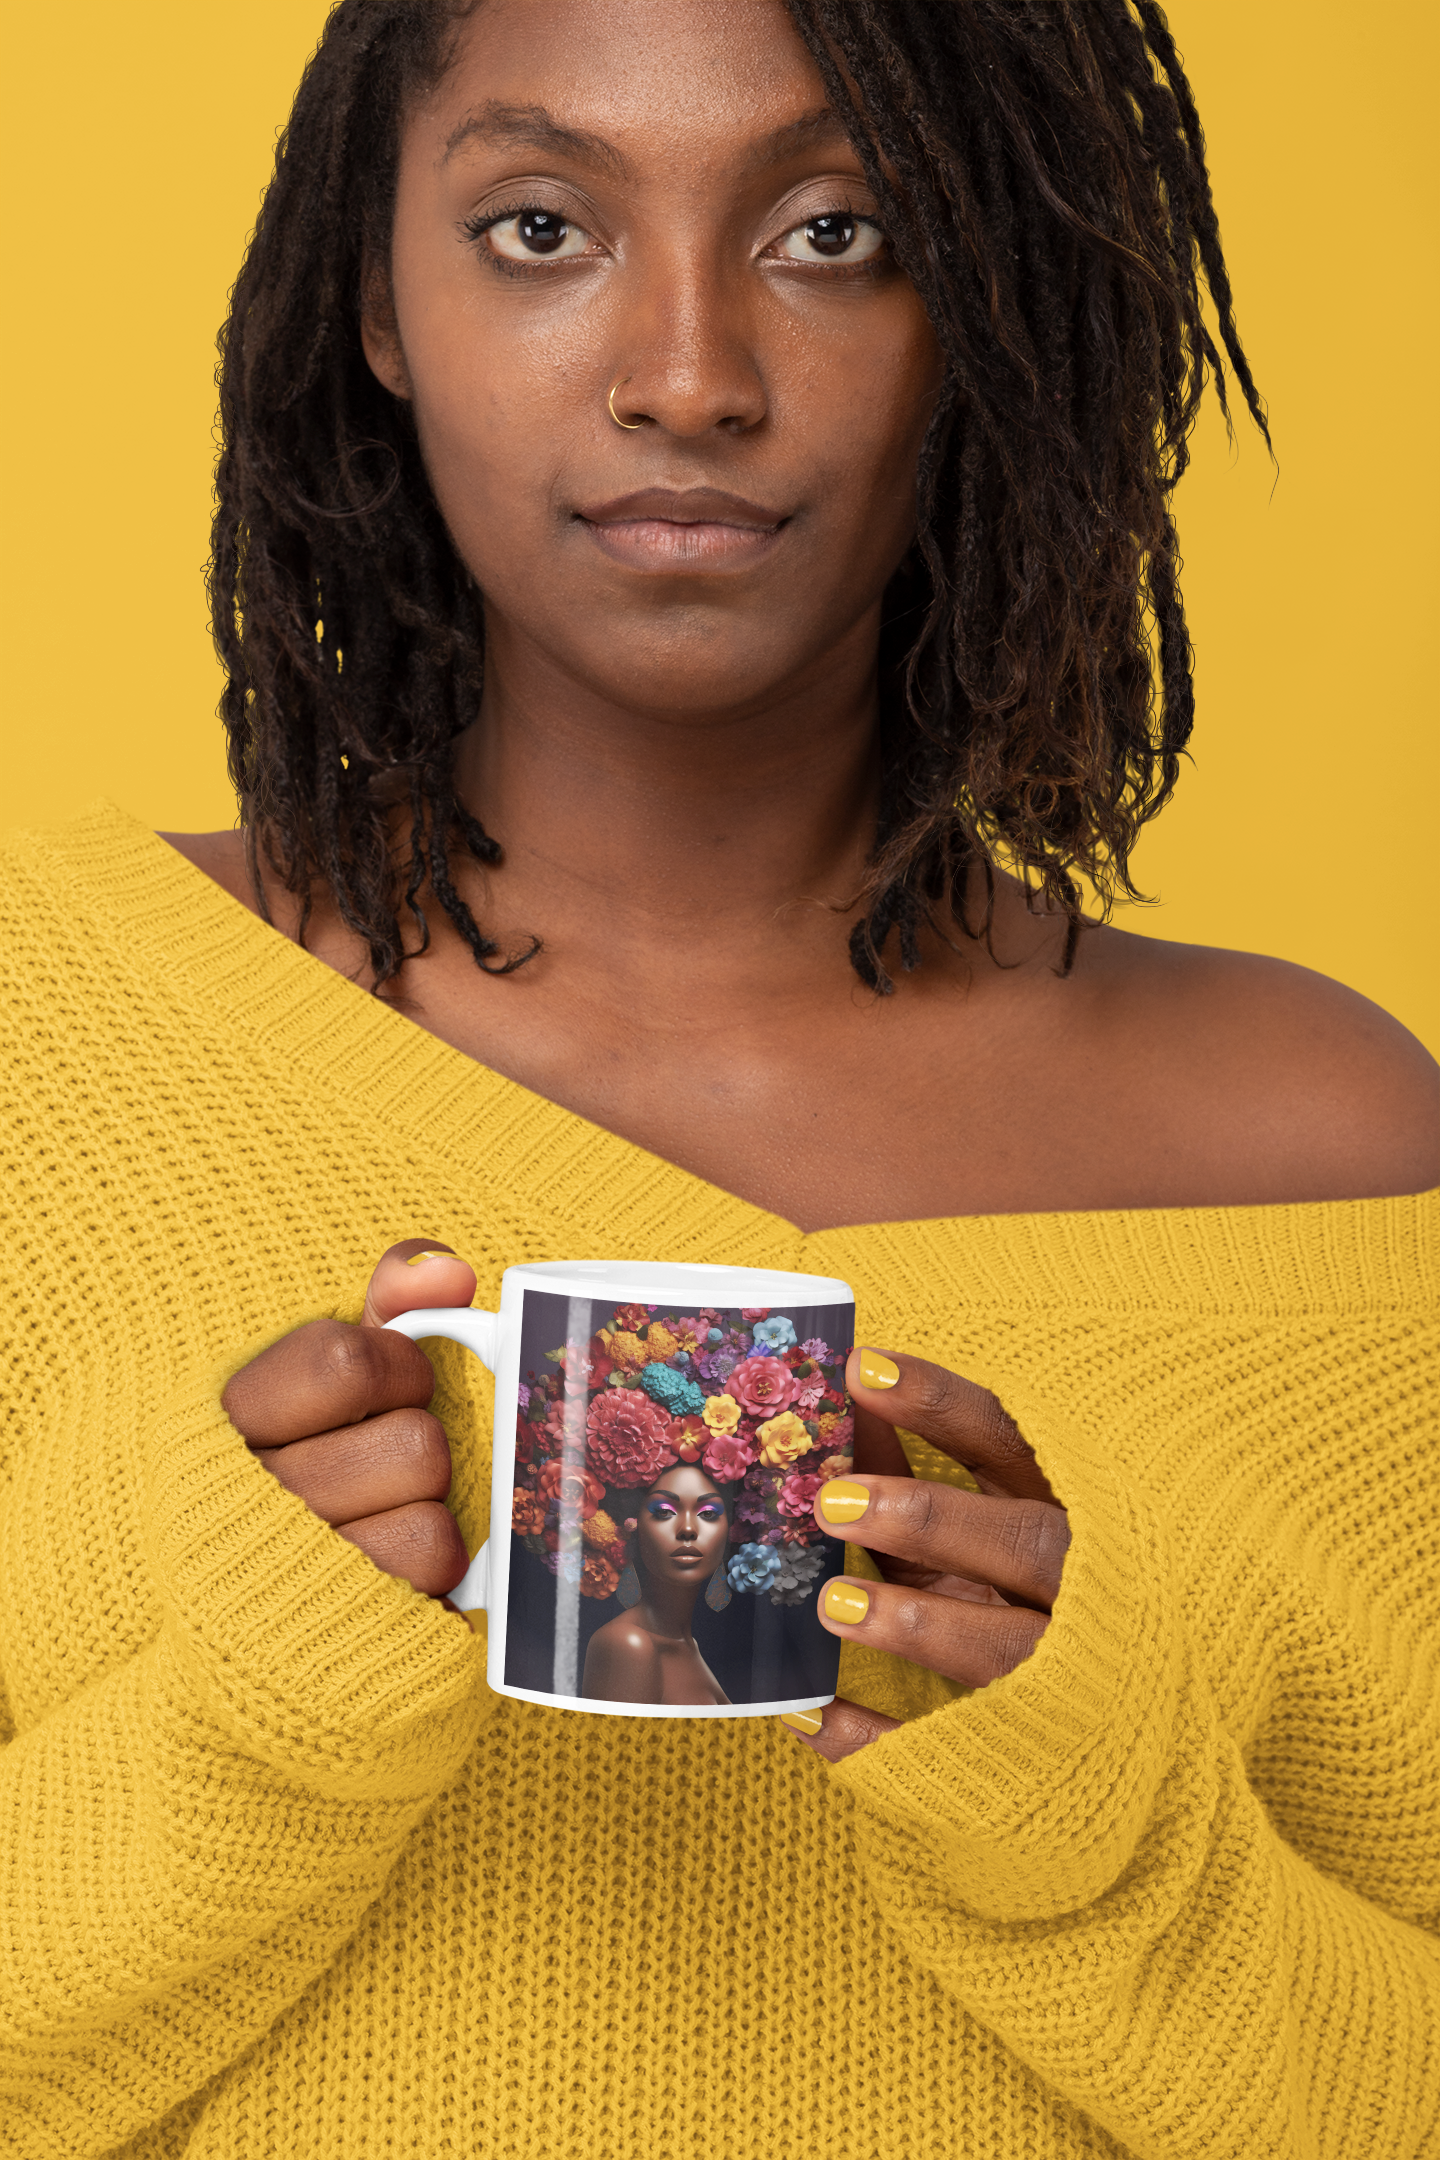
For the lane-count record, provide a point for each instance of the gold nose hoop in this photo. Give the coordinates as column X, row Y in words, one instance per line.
column 619, row 384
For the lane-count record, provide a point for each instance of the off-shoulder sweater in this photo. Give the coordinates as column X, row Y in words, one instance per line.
column 280, row 1879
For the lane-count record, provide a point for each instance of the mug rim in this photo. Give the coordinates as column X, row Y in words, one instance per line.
column 658, row 1280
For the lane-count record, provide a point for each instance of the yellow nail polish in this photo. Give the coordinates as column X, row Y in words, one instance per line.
column 877, row 1370
column 416, row 1257
column 846, row 1601
column 806, row 1721
column 843, row 1501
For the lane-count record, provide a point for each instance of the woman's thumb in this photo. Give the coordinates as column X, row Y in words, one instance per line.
column 413, row 1274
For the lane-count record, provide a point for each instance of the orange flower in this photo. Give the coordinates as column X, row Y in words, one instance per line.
column 691, row 1434
column 627, row 1350
column 600, row 1529
column 598, row 1576
column 527, row 1513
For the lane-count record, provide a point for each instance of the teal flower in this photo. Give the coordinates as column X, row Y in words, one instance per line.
column 672, row 1390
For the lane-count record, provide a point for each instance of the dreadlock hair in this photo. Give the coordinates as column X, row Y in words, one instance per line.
column 1040, row 171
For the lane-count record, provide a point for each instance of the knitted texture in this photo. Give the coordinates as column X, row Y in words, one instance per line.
column 282, row 1880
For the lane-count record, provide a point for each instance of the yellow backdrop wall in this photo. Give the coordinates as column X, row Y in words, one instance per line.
column 139, row 141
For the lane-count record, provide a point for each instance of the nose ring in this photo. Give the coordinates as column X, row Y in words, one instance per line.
column 619, row 384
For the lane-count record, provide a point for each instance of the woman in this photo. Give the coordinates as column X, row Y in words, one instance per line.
column 678, row 1545
column 694, row 502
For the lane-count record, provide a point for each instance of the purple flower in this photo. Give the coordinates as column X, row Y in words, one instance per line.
column 522, row 1396
column 817, row 1350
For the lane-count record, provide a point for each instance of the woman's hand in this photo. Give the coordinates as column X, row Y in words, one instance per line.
column 339, row 1415
column 970, row 1577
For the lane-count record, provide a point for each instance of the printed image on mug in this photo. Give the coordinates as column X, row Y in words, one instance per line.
column 664, row 1548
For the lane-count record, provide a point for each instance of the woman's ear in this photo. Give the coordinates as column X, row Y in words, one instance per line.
column 380, row 332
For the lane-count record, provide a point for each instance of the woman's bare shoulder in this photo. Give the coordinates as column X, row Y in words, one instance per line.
column 221, row 856
column 622, row 1663
column 1323, row 1093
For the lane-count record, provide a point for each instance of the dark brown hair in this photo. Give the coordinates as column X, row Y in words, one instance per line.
column 1041, row 177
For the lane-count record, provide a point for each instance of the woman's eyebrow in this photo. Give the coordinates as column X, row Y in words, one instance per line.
column 532, row 128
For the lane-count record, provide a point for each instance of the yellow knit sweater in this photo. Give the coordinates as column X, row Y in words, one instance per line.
column 282, row 1879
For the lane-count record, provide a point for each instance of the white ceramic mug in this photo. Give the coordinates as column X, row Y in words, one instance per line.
column 660, row 1432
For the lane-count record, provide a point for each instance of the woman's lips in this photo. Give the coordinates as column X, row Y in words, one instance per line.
column 682, row 528
column 667, row 544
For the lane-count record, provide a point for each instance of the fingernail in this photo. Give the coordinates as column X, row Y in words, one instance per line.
column 877, row 1370
column 843, row 1501
column 846, row 1601
column 416, row 1257
column 806, row 1721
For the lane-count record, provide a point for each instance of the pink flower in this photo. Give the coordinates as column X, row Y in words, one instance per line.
column 571, row 1487
column 631, row 1440
column 810, row 1393
column 797, row 1494
column 729, row 1455
column 751, row 1313
column 762, row 1385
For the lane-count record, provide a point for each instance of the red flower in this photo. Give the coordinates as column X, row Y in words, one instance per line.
column 527, row 1440
column 572, row 1488
column 751, row 1313
column 631, row 1440
column 601, row 1362
column 631, row 1318
column 691, row 1436
column 763, row 1385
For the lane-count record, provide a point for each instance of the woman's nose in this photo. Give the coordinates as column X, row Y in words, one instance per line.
column 688, row 1530
column 691, row 365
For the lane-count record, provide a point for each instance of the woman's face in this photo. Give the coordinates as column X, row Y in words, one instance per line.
column 681, row 1529
column 655, row 194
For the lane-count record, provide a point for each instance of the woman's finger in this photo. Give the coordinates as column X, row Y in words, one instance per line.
column 322, row 1377
column 969, row 1643
column 413, row 1274
column 420, row 1544
column 1019, row 1546
column 964, row 1421
column 384, row 1462
column 839, row 1729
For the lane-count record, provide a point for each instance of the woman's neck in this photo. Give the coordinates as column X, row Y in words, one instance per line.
column 679, row 823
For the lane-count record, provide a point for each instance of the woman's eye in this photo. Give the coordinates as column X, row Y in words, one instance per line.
column 536, row 235
column 660, row 1509
column 712, row 1512
column 838, row 236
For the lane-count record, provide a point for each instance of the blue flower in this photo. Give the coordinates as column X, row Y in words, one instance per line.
column 672, row 1390
column 715, row 1335
column 754, row 1567
column 774, row 1335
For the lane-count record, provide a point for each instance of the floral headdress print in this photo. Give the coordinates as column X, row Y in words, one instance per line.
column 764, row 1414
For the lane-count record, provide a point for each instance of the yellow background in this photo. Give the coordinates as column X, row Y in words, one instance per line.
column 139, row 139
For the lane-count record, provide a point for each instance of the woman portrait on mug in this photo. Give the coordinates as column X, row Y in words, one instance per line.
column 695, row 572
column 677, row 1544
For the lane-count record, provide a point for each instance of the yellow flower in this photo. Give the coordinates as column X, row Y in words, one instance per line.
column 627, row 1350
column 782, row 1439
column 721, row 1413
column 600, row 1529
column 660, row 1344
column 827, row 1421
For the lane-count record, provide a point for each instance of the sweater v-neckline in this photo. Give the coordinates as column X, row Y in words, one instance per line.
column 188, row 935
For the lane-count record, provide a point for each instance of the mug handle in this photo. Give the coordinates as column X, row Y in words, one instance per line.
column 480, row 1332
